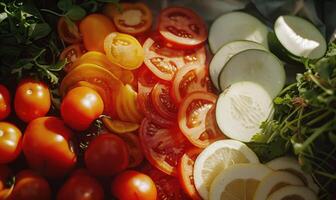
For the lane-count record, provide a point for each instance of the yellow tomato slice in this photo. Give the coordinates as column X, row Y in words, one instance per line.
column 100, row 79
column 119, row 127
column 124, row 50
column 100, row 59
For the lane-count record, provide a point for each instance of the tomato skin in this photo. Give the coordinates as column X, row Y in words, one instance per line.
column 106, row 155
column 80, row 107
column 5, row 102
column 94, row 29
column 10, row 142
column 69, row 34
column 46, row 146
column 72, row 53
column 5, row 173
column 32, row 99
column 81, row 186
column 30, row 185
column 133, row 185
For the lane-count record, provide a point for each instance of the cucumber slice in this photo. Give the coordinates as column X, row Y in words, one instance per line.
column 300, row 37
column 236, row 26
column 225, row 53
column 241, row 109
column 257, row 66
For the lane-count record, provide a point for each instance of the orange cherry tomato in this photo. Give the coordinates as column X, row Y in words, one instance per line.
column 94, row 29
column 46, row 146
column 80, row 107
column 81, row 186
column 32, row 99
column 68, row 32
column 10, row 142
column 124, row 50
column 72, row 53
column 5, row 107
column 133, row 185
column 30, row 185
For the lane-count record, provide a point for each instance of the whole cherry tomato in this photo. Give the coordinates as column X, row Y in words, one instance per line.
column 32, row 100
column 133, row 185
column 46, row 146
column 30, row 185
column 80, row 107
column 81, row 186
column 10, row 142
column 107, row 155
column 5, row 107
column 5, row 174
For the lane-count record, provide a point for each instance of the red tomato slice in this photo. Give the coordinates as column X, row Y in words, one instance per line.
column 190, row 78
column 146, row 107
column 146, row 77
column 68, row 32
column 192, row 118
column 182, row 27
column 162, row 101
column 163, row 147
column 134, row 149
column 72, row 53
column 164, row 61
column 168, row 187
column 186, row 170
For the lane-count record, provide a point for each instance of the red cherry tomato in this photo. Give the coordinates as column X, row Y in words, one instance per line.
column 5, row 174
column 10, row 142
column 162, row 101
column 30, row 185
column 68, row 32
column 192, row 118
column 133, row 185
column 80, row 107
column 106, row 155
column 46, row 146
column 163, row 147
column 164, row 62
column 81, row 186
column 32, row 100
column 186, row 170
column 5, row 102
column 182, row 27
column 72, row 53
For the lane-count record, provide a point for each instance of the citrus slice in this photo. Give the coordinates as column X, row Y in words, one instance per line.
column 291, row 165
column 238, row 182
column 119, row 127
column 217, row 157
column 293, row 193
column 273, row 182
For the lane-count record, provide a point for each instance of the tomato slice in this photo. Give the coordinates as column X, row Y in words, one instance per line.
column 72, row 53
column 134, row 149
column 192, row 117
column 182, row 27
column 124, row 50
column 146, row 107
column 135, row 18
column 162, row 101
column 190, row 78
column 68, row 31
column 146, row 77
column 168, row 187
column 119, row 127
column 186, row 170
column 163, row 147
column 164, row 61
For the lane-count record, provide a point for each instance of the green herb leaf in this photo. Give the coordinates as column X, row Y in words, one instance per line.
column 108, row 1
column 76, row 13
column 38, row 31
column 64, row 5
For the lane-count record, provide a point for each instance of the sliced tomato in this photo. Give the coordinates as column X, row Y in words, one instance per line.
column 190, row 78
column 164, row 61
column 146, row 107
column 146, row 77
column 136, row 155
column 72, row 53
column 68, row 31
column 182, row 27
column 192, row 117
column 163, row 147
column 162, row 101
column 168, row 187
column 186, row 170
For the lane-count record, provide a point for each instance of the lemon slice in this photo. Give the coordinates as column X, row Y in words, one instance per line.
column 217, row 157
column 238, row 182
column 293, row 193
column 273, row 182
column 119, row 127
column 291, row 165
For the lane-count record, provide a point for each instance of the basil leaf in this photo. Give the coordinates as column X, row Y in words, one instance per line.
column 38, row 31
column 76, row 13
column 64, row 5
column 108, row 1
